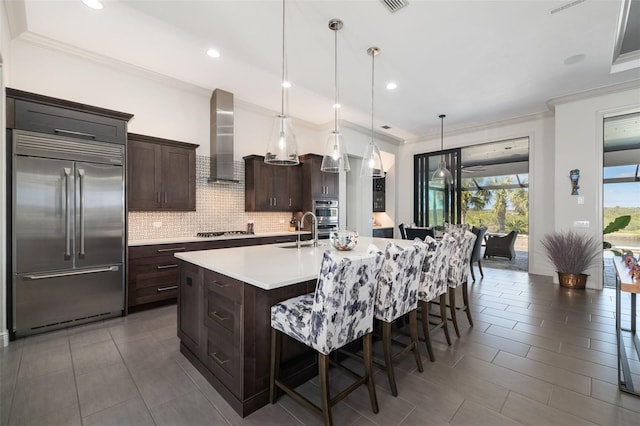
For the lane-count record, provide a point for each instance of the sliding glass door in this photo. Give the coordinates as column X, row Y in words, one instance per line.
column 435, row 202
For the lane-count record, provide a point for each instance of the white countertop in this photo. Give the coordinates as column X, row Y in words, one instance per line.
column 275, row 265
column 174, row 240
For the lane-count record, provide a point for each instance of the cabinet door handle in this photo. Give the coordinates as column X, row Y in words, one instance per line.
column 157, row 197
column 172, row 287
column 289, row 202
column 219, row 317
column 170, row 249
column 160, row 267
column 219, row 360
column 165, row 197
column 275, row 201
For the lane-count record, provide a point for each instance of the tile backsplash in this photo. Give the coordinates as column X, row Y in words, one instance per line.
column 219, row 207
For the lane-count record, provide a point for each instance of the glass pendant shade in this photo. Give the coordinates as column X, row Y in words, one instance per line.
column 335, row 157
column 442, row 176
column 372, row 161
column 283, row 148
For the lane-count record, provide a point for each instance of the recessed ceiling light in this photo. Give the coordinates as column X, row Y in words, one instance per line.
column 392, row 86
column 336, row 106
column 286, row 84
column 93, row 4
column 214, row 53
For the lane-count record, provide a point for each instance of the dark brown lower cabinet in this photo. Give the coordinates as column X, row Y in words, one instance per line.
column 383, row 232
column 233, row 323
column 153, row 269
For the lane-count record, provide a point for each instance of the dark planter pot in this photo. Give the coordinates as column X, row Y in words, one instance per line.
column 578, row 281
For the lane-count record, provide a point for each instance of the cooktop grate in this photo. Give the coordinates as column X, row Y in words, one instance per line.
column 221, row 233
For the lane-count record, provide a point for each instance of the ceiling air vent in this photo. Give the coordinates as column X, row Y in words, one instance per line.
column 386, row 127
column 394, row 5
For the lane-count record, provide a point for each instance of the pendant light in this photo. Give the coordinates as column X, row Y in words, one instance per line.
column 372, row 161
column 283, row 148
column 442, row 176
column 335, row 157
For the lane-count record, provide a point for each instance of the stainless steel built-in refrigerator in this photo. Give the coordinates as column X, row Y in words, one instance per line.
column 68, row 231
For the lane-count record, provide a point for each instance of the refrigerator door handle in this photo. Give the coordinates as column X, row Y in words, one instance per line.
column 114, row 268
column 81, row 184
column 67, row 213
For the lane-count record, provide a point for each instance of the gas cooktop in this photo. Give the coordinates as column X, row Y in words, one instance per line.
column 222, row 233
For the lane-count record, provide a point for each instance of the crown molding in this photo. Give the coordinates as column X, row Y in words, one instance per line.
column 367, row 131
column 16, row 17
column 591, row 93
column 116, row 64
column 483, row 127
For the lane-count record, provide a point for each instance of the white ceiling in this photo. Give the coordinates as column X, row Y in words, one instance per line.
column 477, row 61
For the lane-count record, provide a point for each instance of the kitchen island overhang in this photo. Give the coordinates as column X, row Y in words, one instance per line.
column 224, row 314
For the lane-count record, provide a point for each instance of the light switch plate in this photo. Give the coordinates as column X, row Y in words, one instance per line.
column 581, row 200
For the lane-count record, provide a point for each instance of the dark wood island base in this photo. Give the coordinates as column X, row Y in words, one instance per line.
column 225, row 330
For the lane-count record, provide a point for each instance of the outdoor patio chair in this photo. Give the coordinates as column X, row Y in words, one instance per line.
column 501, row 246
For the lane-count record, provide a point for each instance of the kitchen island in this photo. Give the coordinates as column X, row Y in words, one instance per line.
column 224, row 321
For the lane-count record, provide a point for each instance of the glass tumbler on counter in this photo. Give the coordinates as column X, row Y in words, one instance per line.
column 343, row 239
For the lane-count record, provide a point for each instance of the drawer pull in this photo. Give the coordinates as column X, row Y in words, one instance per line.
column 159, row 267
column 219, row 360
column 172, row 287
column 222, row 285
column 171, row 249
column 219, row 317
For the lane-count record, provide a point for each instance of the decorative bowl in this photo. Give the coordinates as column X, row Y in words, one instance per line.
column 343, row 240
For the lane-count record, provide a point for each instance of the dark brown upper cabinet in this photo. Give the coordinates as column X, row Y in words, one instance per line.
column 317, row 184
column 271, row 188
column 161, row 174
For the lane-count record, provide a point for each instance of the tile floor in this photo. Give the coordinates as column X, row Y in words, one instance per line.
column 538, row 355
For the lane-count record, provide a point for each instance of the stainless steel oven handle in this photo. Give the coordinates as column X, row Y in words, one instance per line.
column 81, row 184
column 67, row 212
column 68, row 274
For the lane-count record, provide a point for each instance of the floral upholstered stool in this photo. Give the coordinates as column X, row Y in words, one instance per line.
column 337, row 313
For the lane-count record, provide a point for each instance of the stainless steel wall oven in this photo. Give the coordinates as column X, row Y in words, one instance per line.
column 327, row 213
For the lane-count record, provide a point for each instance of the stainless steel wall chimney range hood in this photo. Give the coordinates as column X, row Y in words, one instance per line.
column 221, row 137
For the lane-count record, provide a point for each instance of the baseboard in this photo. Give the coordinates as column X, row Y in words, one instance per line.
column 4, row 339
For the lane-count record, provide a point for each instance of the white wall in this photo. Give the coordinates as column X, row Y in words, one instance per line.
column 540, row 131
column 579, row 145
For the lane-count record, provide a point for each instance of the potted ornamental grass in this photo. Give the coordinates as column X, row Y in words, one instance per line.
column 571, row 253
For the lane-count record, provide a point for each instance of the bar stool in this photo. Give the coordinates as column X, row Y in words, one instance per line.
column 434, row 285
column 397, row 296
column 337, row 313
column 458, row 274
